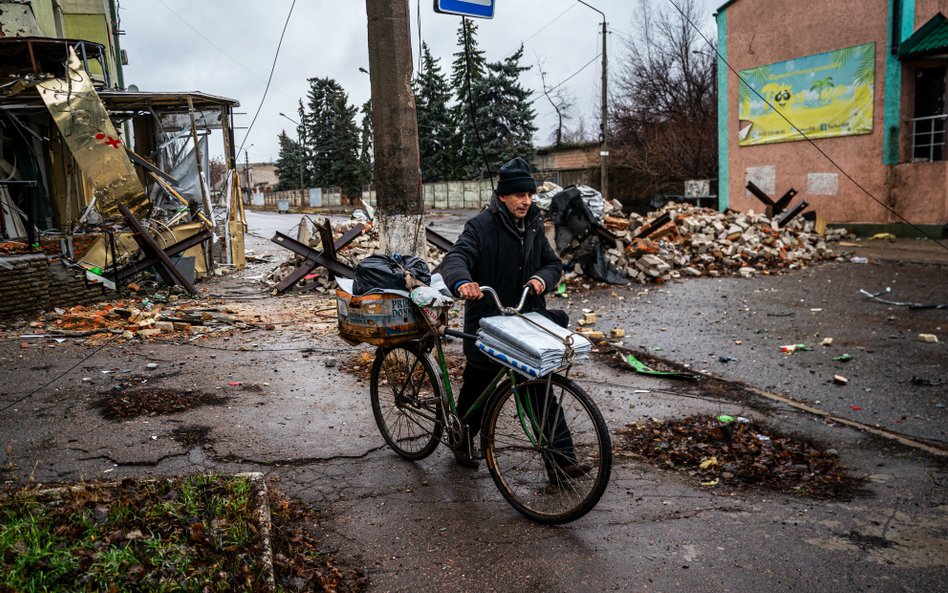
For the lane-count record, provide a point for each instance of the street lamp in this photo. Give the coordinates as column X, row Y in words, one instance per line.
column 604, row 149
column 299, row 142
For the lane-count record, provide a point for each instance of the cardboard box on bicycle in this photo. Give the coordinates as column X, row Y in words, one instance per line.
column 380, row 319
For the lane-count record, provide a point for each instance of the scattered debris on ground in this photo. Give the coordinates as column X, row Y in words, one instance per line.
column 730, row 452
column 157, row 317
column 153, row 401
column 677, row 240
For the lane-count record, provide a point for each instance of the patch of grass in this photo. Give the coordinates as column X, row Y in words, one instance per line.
column 188, row 534
column 192, row 534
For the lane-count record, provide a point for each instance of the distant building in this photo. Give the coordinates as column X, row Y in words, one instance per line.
column 259, row 176
column 571, row 164
column 864, row 79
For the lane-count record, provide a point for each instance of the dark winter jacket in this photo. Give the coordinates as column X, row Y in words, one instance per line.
column 493, row 252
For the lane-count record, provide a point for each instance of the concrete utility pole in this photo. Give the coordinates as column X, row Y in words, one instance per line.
column 400, row 207
column 604, row 117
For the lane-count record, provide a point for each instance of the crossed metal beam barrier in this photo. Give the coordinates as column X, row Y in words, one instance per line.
column 155, row 256
column 775, row 208
column 313, row 258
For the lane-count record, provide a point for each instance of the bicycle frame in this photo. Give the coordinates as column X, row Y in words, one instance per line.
column 533, row 425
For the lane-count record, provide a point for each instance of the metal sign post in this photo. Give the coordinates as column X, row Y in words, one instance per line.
column 483, row 9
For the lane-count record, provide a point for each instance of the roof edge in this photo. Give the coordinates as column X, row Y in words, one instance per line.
column 724, row 6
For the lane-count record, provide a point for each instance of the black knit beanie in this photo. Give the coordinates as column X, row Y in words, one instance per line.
column 516, row 177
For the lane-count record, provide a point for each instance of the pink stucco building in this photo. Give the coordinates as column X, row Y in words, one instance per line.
column 864, row 80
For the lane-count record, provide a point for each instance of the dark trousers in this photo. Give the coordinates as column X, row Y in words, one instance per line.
column 555, row 438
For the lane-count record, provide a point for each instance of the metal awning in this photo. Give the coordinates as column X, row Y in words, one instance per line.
column 930, row 42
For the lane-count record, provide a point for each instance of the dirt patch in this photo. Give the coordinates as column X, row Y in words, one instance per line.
column 740, row 454
column 156, row 401
column 196, row 435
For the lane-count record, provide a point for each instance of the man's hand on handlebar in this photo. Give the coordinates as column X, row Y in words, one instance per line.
column 535, row 286
column 470, row 291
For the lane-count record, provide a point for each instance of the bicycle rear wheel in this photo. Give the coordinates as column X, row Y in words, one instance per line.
column 406, row 400
column 548, row 449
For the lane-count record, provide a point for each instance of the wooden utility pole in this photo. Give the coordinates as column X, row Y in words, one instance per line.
column 604, row 150
column 400, row 206
column 604, row 115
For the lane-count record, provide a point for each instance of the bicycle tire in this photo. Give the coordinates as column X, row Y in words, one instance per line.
column 406, row 400
column 528, row 469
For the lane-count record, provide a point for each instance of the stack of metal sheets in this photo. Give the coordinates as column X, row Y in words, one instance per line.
column 531, row 350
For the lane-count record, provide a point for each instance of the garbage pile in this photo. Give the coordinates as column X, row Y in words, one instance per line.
column 132, row 320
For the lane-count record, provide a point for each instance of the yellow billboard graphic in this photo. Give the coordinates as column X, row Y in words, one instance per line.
column 823, row 96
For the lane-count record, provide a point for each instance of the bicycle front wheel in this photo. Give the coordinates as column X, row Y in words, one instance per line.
column 548, row 449
column 406, row 400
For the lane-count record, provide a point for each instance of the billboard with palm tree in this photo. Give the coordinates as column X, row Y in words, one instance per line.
column 818, row 96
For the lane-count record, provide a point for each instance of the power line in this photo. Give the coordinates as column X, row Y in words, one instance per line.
column 57, row 378
column 269, row 78
column 541, row 29
column 567, row 79
column 212, row 44
column 799, row 131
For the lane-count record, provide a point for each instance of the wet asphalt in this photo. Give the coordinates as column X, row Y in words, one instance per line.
column 431, row 525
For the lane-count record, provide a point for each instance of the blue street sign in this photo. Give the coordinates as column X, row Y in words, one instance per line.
column 477, row 8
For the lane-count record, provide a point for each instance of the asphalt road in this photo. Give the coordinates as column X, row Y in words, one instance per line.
column 432, row 525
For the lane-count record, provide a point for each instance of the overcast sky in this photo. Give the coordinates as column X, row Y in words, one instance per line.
column 226, row 48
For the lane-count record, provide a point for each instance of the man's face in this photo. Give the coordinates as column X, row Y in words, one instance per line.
column 518, row 204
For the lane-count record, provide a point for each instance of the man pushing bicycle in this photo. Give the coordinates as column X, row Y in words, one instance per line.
column 504, row 247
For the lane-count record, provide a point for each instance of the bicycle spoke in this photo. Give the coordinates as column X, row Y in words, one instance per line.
column 548, row 450
column 405, row 401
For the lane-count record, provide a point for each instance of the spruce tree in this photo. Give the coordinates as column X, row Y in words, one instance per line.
column 288, row 163
column 436, row 131
column 467, row 37
column 467, row 60
column 504, row 118
column 332, row 137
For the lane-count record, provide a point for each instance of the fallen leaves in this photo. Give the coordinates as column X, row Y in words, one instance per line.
column 739, row 455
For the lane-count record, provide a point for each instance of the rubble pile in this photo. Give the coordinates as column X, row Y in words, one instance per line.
column 131, row 320
column 700, row 241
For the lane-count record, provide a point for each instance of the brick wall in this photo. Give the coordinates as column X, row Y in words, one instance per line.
column 36, row 283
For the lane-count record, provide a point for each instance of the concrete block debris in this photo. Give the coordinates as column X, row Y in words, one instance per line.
column 702, row 242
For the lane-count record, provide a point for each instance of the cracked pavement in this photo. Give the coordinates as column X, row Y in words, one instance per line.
column 432, row 525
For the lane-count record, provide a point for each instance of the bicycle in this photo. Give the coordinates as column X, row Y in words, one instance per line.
column 546, row 444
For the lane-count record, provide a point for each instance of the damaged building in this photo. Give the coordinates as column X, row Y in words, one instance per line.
column 100, row 183
column 865, row 82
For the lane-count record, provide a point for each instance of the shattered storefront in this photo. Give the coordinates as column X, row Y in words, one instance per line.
column 75, row 188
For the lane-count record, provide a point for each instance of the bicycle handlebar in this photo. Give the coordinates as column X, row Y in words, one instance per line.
column 503, row 309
